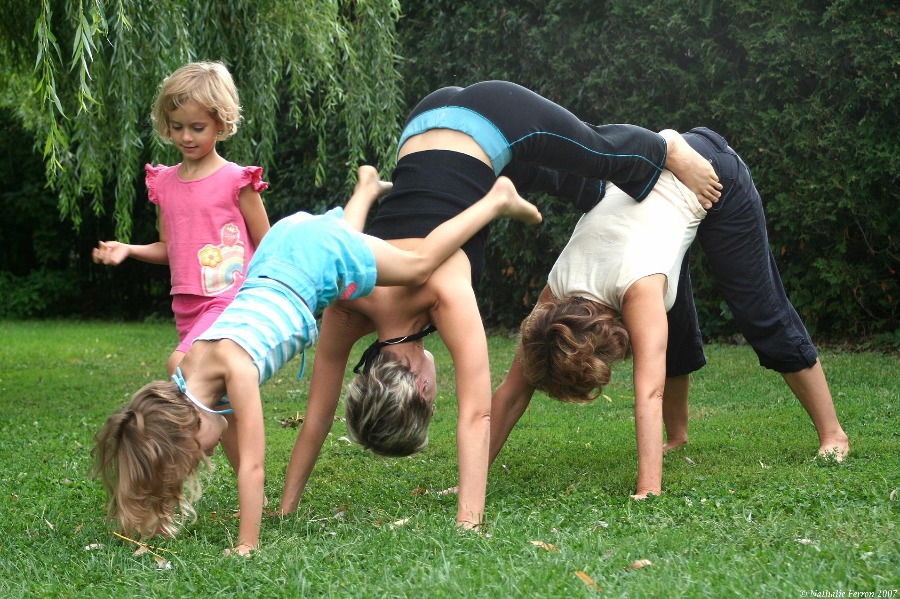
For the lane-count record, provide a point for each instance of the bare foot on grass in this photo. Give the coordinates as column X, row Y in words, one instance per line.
column 640, row 496
column 692, row 169
column 671, row 444
column 512, row 204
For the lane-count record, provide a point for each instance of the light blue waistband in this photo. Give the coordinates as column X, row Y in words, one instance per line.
column 467, row 121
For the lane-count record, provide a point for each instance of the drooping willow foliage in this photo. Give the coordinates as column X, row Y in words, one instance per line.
column 82, row 75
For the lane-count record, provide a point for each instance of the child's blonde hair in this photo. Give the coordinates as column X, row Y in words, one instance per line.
column 385, row 411
column 147, row 455
column 210, row 85
column 567, row 348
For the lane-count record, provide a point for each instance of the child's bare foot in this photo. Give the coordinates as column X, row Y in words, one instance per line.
column 671, row 444
column 512, row 204
column 692, row 169
column 369, row 184
column 367, row 191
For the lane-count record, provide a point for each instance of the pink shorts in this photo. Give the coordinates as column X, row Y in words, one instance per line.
column 194, row 314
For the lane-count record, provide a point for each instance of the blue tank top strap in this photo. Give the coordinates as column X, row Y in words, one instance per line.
column 302, row 365
column 178, row 379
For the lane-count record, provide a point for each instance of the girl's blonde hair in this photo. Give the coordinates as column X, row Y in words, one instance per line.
column 567, row 348
column 147, row 456
column 210, row 85
column 385, row 411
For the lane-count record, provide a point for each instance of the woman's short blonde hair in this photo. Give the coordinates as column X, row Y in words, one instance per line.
column 385, row 411
column 210, row 85
column 147, row 456
column 567, row 348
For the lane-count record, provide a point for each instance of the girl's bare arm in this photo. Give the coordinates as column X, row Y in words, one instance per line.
column 254, row 212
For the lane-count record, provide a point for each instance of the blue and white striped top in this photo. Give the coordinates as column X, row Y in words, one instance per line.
column 303, row 261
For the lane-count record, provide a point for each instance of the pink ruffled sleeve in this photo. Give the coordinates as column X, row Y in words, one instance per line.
column 252, row 175
column 152, row 172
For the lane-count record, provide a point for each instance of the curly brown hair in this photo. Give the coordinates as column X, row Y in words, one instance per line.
column 147, row 456
column 567, row 348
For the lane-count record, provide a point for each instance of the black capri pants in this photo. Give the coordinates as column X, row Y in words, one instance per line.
column 734, row 238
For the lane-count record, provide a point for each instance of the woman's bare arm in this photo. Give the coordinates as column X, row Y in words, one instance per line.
column 459, row 323
column 341, row 328
column 644, row 316
column 511, row 398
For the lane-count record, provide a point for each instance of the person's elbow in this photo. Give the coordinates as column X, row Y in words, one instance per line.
column 252, row 473
column 418, row 272
column 649, row 401
column 476, row 419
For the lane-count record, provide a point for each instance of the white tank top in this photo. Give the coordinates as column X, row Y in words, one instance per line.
column 620, row 241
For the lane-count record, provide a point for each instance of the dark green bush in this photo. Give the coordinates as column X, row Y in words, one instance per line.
column 39, row 293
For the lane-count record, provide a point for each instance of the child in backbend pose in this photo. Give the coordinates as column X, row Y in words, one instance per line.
column 148, row 452
column 211, row 216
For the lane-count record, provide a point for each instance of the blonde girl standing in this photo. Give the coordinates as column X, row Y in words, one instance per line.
column 211, row 215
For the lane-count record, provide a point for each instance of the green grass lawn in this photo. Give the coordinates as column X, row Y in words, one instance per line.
column 746, row 512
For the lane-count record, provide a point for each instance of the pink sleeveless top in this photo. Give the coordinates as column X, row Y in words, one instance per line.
column 208, row 243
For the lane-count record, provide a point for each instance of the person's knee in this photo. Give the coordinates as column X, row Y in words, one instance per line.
column 785, row 357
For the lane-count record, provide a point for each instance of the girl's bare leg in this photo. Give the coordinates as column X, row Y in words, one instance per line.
column 812, row 390
column 675, row 411
column 369, row 187
column 398, row 267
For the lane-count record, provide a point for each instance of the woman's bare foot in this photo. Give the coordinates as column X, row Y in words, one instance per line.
column 512, row 204
column 671, row 444
column 692, row 169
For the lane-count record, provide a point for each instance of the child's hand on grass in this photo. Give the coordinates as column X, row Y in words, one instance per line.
column 243, row 550
column 645, row 495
